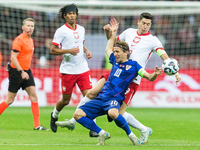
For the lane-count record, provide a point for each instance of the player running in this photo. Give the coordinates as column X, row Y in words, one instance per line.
column 69, row 41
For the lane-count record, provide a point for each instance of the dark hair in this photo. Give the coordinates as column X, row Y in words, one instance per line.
column 146, row 15
column 123, row 45
column 62, row 10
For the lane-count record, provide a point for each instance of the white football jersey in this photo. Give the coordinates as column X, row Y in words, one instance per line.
column 68, row 38
column 141, row 46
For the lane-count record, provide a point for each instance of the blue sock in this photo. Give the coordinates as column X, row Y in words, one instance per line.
column 121, row 122
column 89, row 124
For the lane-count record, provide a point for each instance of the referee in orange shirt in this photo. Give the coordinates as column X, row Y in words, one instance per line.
column 20, row 75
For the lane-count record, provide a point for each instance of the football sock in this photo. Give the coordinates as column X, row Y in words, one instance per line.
column 130, row 119
column 101, row 132
column 89, row 124
column 3, row 106
column 121, row 122
column 131, row 134
column 35, row 112
column 55, row 113
column 83, row 101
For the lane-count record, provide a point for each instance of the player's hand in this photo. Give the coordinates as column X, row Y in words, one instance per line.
column 106, row 27
column 24, row 75
column 88, row 54
column 158, row 71
column 178, row 77
column 74, row 51
column 114, row 25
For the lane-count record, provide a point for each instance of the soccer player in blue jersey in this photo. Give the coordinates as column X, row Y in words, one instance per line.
column 110, row 98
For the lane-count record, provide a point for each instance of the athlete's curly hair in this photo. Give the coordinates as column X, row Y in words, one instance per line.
column 62, row 10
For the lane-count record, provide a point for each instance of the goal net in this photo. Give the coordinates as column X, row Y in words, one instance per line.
column 176, row 24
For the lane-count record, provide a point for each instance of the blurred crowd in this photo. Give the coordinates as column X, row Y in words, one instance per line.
column 179, row 34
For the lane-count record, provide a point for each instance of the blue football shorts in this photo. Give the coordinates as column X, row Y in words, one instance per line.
column 98, row 107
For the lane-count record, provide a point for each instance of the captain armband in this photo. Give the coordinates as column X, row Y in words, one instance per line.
column 141, row 72
column 160, row 52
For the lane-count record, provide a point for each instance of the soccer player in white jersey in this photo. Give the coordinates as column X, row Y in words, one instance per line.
column 142, row 45
column 69, row 41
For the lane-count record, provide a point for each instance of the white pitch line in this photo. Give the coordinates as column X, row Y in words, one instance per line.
column 170, row 145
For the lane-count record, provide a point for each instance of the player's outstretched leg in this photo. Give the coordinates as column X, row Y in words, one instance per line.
column 145, row 135
column 65, row 124
column 145, row 132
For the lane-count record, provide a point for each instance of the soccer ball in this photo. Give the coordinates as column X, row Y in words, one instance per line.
column 170, row 66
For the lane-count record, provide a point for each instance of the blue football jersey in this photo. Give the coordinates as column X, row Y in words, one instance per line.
column 121, row 75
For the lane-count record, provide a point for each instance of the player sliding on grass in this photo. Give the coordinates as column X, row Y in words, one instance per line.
column 111, row 97
column 142, row 45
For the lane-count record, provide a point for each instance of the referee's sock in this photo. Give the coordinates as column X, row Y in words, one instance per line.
column 35, row 112
column 3, row 106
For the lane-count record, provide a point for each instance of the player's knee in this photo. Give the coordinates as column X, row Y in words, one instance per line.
column 91, row 94
column 77, row 115
column 113, row 114
column 33, row 98
column 9, row 101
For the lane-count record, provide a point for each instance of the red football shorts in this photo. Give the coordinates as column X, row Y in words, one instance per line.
column 105, row 76
column 68, row 81
column 130, row 92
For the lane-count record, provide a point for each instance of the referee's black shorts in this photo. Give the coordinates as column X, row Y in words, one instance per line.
column 16, row 82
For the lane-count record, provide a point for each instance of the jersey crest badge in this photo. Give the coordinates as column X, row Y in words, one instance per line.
column 128, row 67
column 76, row 36
column 136, row 39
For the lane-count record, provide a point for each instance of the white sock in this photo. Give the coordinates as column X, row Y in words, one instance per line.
column 131, row 134
column 55, row 113
column 83, row 101
column 130, row 119
column 101, row 132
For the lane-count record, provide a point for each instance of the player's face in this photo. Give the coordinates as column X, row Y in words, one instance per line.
column 28, row 27
column 120, row 55
column 144, row 25
column 71, row 17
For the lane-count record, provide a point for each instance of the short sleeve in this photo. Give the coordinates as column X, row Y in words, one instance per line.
column 17, row 44
column 58, row 37
column 112, row 59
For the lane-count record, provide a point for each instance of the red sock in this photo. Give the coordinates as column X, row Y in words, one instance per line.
column 35, row 111
column 3, row 106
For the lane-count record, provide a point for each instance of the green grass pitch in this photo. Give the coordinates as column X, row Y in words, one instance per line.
column 173, row 129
